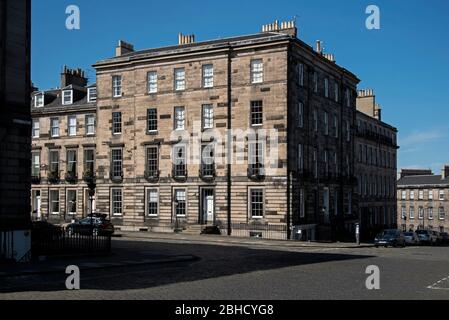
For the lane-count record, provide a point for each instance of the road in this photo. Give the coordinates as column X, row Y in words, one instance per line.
column 225, row 271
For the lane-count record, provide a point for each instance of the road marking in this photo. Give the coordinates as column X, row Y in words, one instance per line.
column 436, row 285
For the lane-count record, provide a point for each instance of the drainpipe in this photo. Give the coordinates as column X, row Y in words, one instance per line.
column 289, row 180
column 229, row 141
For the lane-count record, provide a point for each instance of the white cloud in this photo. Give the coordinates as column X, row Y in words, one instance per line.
column 416, row 137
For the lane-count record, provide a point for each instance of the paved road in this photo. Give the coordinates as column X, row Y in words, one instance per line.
column 229, row 271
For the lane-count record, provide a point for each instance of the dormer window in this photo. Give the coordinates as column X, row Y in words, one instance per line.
column 92, row 94
column 67, row 97
column 39, row 100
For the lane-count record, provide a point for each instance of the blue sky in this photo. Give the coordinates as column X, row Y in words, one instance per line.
column 406, row 62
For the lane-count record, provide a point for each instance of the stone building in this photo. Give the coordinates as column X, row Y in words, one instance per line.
column 376, row 158
column 63, row 148
column 423, row 200
column 15, row 127
column 253, row 134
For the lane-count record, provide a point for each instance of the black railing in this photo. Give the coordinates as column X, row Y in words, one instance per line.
column 179, row 172
column 88, row 176
column 71, row 177
column 256, row 172
column 116, row 176
column 36, row 179
column 53, row 177
column 207, row 171
column 152, row 175
column 257, row 230
column 56, row 241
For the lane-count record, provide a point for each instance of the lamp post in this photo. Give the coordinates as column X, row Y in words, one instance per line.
column 91, row 185
column 176, row 202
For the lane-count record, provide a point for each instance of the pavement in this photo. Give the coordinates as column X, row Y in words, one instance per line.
column 254, row 270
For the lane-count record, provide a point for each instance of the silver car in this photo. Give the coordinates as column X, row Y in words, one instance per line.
column 427, row 237
column 411, row 238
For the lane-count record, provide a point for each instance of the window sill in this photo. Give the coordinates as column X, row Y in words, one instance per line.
column 152, row 132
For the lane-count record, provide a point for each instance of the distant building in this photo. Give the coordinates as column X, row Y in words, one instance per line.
column 15, row 128
column 376, row 167
column 423, row 200
column 63, row 148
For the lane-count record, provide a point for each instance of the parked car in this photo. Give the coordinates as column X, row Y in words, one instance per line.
column 444, row 237
column 390, row 237
column 411, row 238
column 96, row 225
column 427, row 237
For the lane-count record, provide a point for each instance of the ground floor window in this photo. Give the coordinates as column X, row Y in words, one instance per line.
column 302, row 207
column 71, row 202
column 117, row 202
column 152, row 202
column 256, row 203
column 441, row 213
column 180, row 202
column 54, row 201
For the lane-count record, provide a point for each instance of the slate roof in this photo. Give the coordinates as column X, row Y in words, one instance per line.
column 425, row 180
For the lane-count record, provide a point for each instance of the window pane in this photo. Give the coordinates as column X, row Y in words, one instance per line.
column 152, row 119
column 208, row 117
column 256, row 112
column 257, row 204
column 152, row 82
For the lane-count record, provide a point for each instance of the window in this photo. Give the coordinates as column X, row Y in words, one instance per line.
column 430, row 213
column 71, row 162
column 54, row 202
column 152, row 161
column 441, row 213
column 152, row 82
column 256, row 113
column 180, row 79
column 441, row 195
column 315, row 82
column 207, row 160
column 152, row 202
column 180, row 118
column 208, row 76
column 179, row 161
column 412, row 212
column 116, row 123
column 117, row 202
column 208, row 116
column 117, row 164
column 301, row 74
column 90, row 124
column 54, row 162
column 300, row 158
column 404, row 213
column 256, row 203
column 300, row 114
column 89, row 162
column 348, row 131
column 315, row 120
column 412, row 195
column 152, row 119
column 348, row 97
column 67, row 97
column 315, row 163
column 430, row 195
column 336, row 92
column 326, row 123
column 326, row 162
column 117, row 86
column 256, row 71
column 72, row 125
column 255, row 157
column 326, row 87
column 421, row 194
column 180, row 202
column 336, row 163
column 71, row 202
column 92, row 94
column 335, row 126
column 39, row 100
column 404, row 195
column 36, row 128
column 420, row 213
column 54, row 127
column 302, row 204
column 35, row 164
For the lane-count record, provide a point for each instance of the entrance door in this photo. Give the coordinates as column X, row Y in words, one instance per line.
column 207, row 206
column 36, row 204
column 88, row 205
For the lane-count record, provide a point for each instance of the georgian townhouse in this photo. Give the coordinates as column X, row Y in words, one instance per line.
column 63, row 148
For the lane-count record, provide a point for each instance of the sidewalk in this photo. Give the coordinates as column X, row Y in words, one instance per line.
column 239, row 241
column 119, row 258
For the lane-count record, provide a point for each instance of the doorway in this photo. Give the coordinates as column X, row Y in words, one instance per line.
column 326, row 205
column 207, row 206
column 36, row 196
column 88, row 205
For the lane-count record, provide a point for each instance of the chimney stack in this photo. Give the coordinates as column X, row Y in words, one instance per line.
column 319, row 49
column 445, row 172
column 186, row 39
column 73, row 76
column 123, row 48
column 287, row 27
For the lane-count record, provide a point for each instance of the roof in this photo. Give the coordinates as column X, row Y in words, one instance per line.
column 221, row 43
column 423, row 180
column 54, row 101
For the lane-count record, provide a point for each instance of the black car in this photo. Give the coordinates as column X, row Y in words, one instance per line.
column 444, row 236
column 394, row 238
column 96, row 225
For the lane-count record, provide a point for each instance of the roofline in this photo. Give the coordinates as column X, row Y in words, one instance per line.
column 374, row 119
